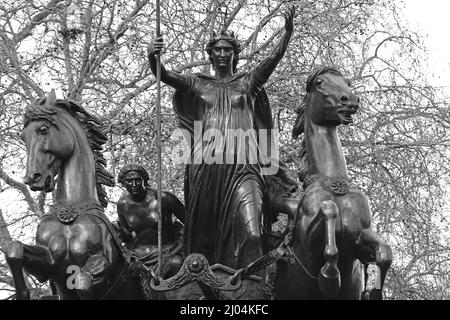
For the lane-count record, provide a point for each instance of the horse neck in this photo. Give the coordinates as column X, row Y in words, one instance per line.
column 76, row 180
column 324, row 151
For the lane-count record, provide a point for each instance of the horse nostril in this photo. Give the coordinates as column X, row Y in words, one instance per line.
column 35, row 177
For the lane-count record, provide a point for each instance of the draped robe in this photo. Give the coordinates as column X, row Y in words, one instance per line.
column 226, row 203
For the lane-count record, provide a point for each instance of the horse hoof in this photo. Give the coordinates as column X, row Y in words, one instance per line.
column 329, row 281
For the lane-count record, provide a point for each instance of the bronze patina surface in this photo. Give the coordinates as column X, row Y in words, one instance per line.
column 75, row 234
column 137, row 222
column 333, row 241
column 228, row 210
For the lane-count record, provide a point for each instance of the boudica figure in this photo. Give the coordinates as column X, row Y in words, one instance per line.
column 137, row 224
column 228, row 209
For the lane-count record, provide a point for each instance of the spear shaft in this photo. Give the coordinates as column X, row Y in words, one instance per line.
column 159, row 142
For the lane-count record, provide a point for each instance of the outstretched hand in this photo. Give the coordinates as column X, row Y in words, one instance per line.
column 156, row 46
column 289, row 19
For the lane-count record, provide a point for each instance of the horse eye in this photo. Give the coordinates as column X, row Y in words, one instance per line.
column 43, row 130
column 319, row 81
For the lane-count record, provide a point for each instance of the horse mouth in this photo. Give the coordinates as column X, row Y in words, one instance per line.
column 346, row 115
column 47, row 186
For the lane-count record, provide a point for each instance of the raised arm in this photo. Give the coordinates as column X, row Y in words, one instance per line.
column 171, row 204
column 262, row 72
column 176, row 80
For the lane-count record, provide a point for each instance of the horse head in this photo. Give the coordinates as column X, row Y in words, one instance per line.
column 47, row 145
column 331, row 100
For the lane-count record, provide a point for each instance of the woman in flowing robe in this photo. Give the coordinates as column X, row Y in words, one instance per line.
column 228, row 211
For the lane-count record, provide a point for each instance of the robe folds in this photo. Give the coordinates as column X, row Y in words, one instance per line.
column 226, row 194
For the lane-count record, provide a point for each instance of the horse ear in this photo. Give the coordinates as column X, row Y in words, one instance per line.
column 51, row 98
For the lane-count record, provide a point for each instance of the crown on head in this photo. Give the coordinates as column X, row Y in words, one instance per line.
column 225, row 35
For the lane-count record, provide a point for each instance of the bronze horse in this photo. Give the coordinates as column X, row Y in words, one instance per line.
column 332, row 235
column 76, row 246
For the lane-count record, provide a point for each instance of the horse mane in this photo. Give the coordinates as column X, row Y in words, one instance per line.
column 91, row 126
column 299, row 125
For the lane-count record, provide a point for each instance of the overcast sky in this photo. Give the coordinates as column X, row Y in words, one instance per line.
column 432, row 19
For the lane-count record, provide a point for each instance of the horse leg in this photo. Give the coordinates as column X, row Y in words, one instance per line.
column 373, row 248
column 14, row 257
column 37, row 259
column 329, row 277
column 94, row 268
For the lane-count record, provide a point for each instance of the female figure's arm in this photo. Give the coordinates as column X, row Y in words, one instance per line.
column 262, row 72
column 176, row 80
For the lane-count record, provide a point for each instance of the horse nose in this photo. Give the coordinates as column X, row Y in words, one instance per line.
column 350, row 100
column 27, row 180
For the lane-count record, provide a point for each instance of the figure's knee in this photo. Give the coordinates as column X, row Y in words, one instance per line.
column 250, row 217
column 14, row 251
column 176, row 262
column 250, row 188
column 173, row 266
column 254, row 235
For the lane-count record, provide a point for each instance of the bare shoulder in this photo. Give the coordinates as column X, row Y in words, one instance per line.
column 123, row 203
column 165, row 195
column 151, row 194
column 124, row 199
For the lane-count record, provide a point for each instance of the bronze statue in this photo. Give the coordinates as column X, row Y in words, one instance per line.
column 228, row 210
column 333, row 241
column 76, row 246
column 138, row 221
